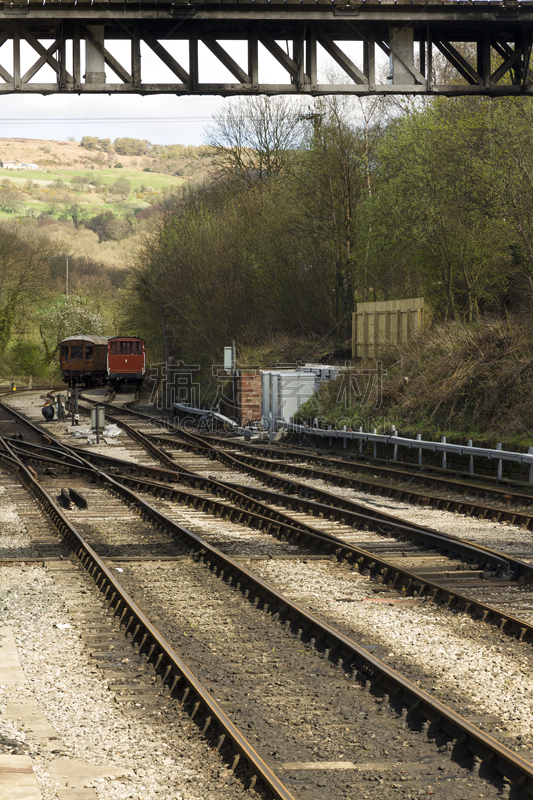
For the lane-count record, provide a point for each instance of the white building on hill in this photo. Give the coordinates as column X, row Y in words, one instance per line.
column 17, row 165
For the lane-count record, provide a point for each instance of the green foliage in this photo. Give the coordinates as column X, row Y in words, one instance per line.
column 122, row 186
column 470, row 379
column 89, row 142
column 99, row 224
column 24, row 276
column 26, row 358
column 126, row 146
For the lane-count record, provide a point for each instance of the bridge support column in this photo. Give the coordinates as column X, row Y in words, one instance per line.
column 401, row 42
column 94, row 55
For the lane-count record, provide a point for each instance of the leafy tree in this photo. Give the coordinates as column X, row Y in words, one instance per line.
column 89, row 142
column 435, row 212
column 26, row 358
column 11, row 199
column 79, row 182
column 69, row 316
column 24, row 275
column 99, row 223
column 126, row 146
column 118, row 229
column 122, row 186
column 76, row 212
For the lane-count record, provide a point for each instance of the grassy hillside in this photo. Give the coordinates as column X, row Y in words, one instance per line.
column 463, row 381
column 76, row 184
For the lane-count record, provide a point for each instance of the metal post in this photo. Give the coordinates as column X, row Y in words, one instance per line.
column 443, row 440
column 418, row 438
column 530, row 453
column 76, row 412
column 499, row 470
column 395, row 450
column 361, row 442
column 471, row 459
column 374, row 431
column 344, row 441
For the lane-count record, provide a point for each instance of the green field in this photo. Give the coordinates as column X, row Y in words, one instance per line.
column 158, row 181
column 45, row 199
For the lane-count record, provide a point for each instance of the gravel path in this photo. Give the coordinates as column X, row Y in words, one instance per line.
column 162, row 755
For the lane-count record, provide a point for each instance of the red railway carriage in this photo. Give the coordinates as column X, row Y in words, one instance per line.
column 83, row 359
column 126, row 361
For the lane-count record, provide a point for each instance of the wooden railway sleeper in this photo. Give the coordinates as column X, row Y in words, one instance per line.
column 376, row 681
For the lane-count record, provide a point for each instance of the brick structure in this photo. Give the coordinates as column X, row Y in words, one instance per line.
column 249, row 395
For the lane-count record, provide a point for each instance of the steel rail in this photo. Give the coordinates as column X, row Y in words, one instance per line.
column 403, row 580
column 168, row 664
column 408, row 472
column 366, row 562
column 339, row 509
column 444, row 540
column 373, row 520
column 75, row 455
column 419, row 704
column 419, row 707
column 280, row 526
column 456, row 547
column 446, row 504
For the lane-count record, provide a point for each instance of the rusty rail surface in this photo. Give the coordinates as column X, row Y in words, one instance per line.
column 464, row 738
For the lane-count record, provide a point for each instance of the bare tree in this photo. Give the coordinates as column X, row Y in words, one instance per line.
column 256, row 138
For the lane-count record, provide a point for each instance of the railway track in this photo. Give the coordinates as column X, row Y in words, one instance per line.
column 356, row 514
column 444, row 481
column 390, row 720
column 211, row 556
column 445, row 582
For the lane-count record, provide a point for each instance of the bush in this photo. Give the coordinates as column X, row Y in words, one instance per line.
column 26, row 358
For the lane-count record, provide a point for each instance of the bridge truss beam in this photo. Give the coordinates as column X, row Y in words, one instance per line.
column 86, row 48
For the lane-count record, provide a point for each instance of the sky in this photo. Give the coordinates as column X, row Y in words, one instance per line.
column 162, row 119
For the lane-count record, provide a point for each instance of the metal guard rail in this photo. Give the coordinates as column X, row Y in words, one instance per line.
column 416, row 444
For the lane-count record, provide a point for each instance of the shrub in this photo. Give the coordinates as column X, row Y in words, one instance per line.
column 26, row 358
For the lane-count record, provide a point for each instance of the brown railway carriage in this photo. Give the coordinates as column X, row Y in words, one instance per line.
column 83, row 359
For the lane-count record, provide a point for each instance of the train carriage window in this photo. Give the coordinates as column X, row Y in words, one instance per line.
column 64, row 351
column 89, row 352
column 76, row 351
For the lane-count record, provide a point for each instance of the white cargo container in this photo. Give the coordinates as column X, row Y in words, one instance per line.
column 283, row 392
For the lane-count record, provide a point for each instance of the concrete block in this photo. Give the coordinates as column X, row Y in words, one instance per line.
column 17, row 779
